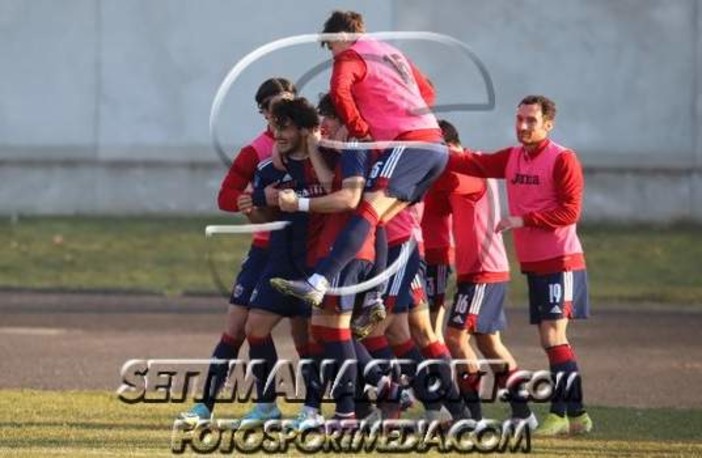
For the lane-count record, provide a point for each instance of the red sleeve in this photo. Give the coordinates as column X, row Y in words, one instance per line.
column 238, row 177
column 436, row 228
column 480, row 165
column 348, row 69
column 425, row 86
column 456, row 183
column 569, row 183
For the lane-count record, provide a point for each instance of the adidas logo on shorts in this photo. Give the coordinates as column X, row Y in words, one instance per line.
column 556, row 309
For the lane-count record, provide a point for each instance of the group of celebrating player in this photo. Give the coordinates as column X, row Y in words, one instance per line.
column 368, row 179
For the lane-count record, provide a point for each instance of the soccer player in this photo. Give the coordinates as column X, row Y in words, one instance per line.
column 290, row 252
column 380, row 96
column 233, row 187
column 544, row 191
column 482, row 272
column 331, row 324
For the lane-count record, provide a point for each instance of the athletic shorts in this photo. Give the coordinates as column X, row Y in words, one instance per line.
column 265, row 297
column 406, row 173
column 559, row 295
column 437, row 280
column 418, row 288
column 251, row 269
column 354, row 273
column 479, row 307
column 398, row 292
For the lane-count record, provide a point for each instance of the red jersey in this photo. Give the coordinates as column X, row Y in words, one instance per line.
column 240, row 176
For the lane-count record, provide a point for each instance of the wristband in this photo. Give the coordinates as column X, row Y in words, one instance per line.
column 303, row 204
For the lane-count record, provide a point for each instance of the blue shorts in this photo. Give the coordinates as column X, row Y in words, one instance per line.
column 265, row 297
column 354, row 273
column 479, row 307
column 437, row 279
column 398, row 292
column 559, row 295
column 251, row 269
column 406, row 173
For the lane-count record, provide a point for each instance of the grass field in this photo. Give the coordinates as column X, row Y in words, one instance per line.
column 42, row 423
column 172, row 256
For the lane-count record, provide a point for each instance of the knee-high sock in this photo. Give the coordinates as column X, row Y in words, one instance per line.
column 227, row 348
column 339, row 347
column 379, row 349
column 314, row 386
column 469, row 384
column 408, row 350
column 349, row 241
column 263, row 349
column 452, row 399
column 520, row 407
column 564, row 367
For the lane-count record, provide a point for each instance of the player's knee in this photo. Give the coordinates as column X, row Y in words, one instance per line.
column 236, row 324
column 455, row 340
column 422, row 335
column 255, row 329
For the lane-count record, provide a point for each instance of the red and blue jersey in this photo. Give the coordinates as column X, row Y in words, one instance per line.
column 297, row 243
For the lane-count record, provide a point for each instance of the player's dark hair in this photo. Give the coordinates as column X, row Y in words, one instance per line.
column 298, row 111
column 449, row 132
column 272, row 87
column 548, row 106
column 325, row 106
column 344, row 21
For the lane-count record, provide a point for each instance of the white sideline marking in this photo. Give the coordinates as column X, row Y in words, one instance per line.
column 21, row 331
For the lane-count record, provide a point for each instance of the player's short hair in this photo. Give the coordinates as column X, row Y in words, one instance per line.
column 272, row 87
column 344, row 21
column 449, row 132
column 548, row 106
column 300, row 112
column 325, row 106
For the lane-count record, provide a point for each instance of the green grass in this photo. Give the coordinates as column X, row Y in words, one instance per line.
column 172, row 256
column 42, row 423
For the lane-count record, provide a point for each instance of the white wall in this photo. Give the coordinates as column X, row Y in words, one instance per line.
column 104, row 105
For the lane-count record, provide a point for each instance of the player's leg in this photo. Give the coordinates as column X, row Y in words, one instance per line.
column 263, row 356
column 233, row 336
column 554, row 299
column 477, row 307
column 437, row 282
column 311, row 354
column 491, row 347
column 331, row 327
column 431, row 347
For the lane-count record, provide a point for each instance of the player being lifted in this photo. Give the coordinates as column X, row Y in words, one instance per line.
column 544, row 191
column 380, row 96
